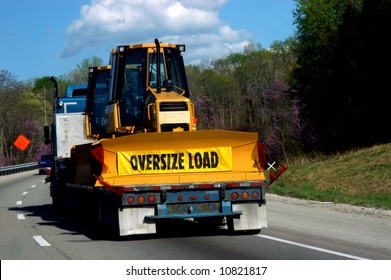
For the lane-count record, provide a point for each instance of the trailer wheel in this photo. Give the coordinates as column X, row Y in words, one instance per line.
column 58, row 201
column 230, row 224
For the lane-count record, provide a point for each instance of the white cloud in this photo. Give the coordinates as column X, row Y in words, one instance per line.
column 106, row 23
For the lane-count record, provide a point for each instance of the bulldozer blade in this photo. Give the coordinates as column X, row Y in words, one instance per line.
column 186, row 157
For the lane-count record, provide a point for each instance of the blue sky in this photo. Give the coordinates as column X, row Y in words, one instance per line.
column 50, row 37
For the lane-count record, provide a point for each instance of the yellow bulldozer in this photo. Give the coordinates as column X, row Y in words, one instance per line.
column 142, row 159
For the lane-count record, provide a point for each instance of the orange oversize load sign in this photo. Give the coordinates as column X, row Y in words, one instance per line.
column 22, row 142
column 175, row 161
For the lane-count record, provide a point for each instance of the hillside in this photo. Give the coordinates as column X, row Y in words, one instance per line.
column 361, row 177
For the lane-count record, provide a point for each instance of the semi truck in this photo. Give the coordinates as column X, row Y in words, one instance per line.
column 142, row 160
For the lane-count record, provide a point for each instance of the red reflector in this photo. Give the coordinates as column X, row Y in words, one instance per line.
column 178, row 187
column 205, row 186
column 180, row 198
column 233, row 185
column 140, row 199
column 193, row 197
column 255, row 195
column 151, row 199
column 234, row 195
column 206, row 196
column 130, row 199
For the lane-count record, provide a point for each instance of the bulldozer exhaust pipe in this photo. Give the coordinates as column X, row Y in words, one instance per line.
column 55, row 86
column 158, row 86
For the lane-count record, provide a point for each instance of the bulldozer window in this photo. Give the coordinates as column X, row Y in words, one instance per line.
column 153, row 70
column 97, row 98
column 97, row 118
column 133, row 89
column 176, row 69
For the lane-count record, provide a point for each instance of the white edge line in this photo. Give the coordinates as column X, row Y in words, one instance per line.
column 41, row 241
column 33, row 186
column 311, row 247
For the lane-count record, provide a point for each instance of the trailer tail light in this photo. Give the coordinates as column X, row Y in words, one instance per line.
column 151, row 199
column 141, row 199
column 244, row 195
column 180, row 198
column 193, row 197
column 130, row 199
column 206, row 197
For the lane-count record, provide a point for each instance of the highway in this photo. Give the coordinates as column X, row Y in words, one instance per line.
column 30, row 229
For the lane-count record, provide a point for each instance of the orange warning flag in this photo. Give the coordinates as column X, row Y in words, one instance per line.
column 273, row 175
column 22, row 142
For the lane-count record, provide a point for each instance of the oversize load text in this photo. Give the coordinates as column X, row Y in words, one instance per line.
column 171, row 161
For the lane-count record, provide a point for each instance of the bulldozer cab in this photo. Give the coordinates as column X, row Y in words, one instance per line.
column 147, row 91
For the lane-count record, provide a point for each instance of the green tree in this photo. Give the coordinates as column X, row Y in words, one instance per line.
column 318, row 24
column 20, row 113
column 375, row 58
column 80, row 74
column 340, row 75
column 9, row 88
column 44, row 87
column 264, row 76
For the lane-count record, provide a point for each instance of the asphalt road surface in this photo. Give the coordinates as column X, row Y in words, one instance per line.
column 30, row 229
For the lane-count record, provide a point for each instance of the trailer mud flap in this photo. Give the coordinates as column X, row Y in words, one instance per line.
column 132, row 221
column 253, row 218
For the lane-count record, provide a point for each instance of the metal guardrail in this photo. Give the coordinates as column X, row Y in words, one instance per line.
column 11, row 169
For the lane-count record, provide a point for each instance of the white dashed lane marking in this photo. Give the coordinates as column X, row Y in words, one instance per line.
column 41, row 241
column 21, row 217
column 38, row 238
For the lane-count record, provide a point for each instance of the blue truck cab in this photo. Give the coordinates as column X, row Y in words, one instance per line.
column 76, row 90
column 74, row 100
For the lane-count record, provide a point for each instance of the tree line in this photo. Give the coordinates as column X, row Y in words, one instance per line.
column 324, row 89
column 26, row 106
column 342, row 71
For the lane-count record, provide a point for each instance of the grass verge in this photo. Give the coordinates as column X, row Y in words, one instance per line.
column 361, row 177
